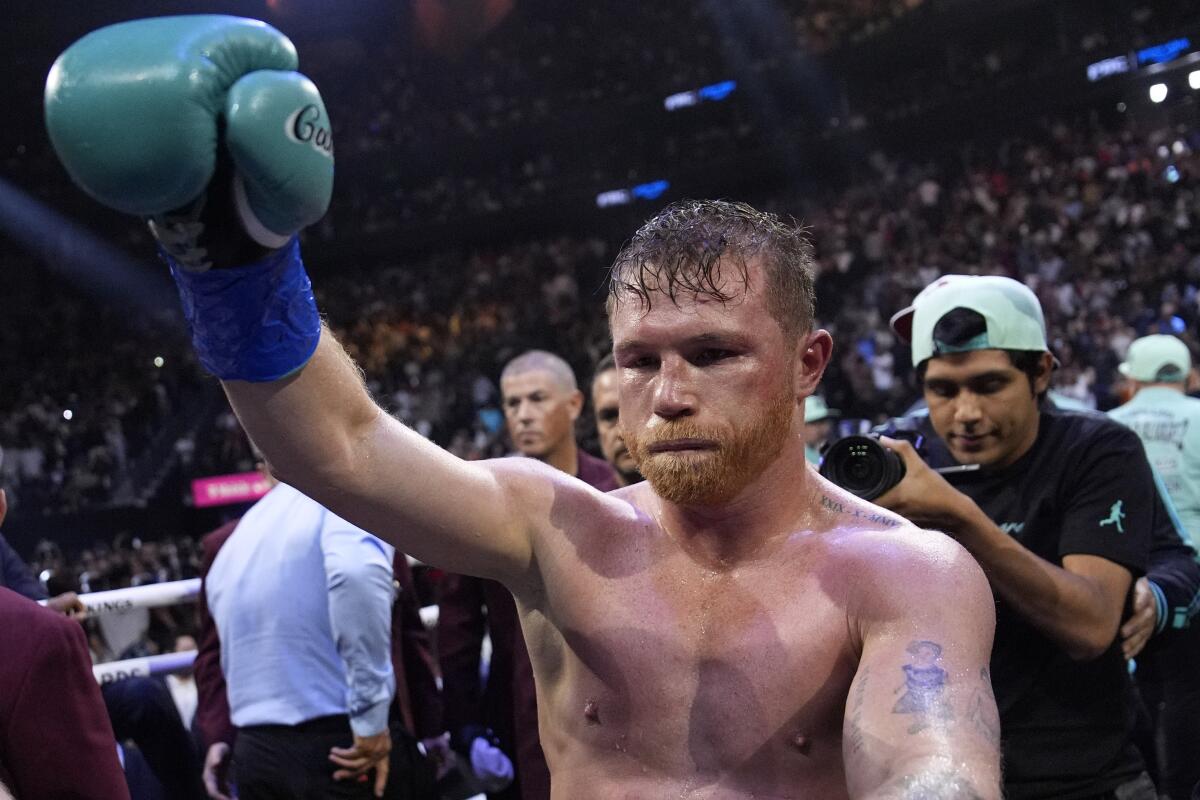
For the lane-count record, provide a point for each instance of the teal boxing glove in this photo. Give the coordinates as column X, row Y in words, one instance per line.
column 202, row 125
column 136, row 112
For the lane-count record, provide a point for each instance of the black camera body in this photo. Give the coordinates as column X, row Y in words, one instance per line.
column 864, row 467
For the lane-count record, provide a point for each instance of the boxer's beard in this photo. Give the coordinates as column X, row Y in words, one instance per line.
column 718, row 475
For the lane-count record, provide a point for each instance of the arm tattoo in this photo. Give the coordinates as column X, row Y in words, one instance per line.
column 981, row 710
column 873, row 517
column 931, row 784
column 924, row 688
column 857, row 736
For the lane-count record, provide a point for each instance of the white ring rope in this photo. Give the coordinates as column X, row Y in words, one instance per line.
column 150, row 595
column 143, row 667
column 154, row 595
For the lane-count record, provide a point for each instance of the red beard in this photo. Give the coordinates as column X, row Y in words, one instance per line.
column 715, row 476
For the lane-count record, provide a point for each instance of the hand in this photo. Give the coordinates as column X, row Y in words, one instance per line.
column 923, row 496
column 438, row 751
column 367, row 753
column 1140, row 626
column 216, row 772
column 68, row 603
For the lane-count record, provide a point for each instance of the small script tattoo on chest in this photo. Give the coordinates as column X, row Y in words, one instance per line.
column 873, row 517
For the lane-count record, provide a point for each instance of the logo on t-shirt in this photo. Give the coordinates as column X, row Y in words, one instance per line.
column 1115, row 516
column 1012, row 528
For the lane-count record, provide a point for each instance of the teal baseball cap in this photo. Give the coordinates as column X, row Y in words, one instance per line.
column 815, row 409
column 1010, row 308
column 1157, row 359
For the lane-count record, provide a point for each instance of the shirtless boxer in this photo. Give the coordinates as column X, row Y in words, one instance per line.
column 733, row 627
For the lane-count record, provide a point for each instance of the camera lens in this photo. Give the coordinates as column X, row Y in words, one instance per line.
column 862, row 466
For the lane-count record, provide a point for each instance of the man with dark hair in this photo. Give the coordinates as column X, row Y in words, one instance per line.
column 734, row 626
column 606, row 406
column 1057, row 507
column 1168, row 672
column 541, row 403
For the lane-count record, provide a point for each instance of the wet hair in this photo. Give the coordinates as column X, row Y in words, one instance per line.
column 959, row 326
column 542, row 361
column 686, row 250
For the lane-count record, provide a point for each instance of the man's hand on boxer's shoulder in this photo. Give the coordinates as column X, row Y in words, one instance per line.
column 367, row 753
column 1140, row 626
column 923, row 496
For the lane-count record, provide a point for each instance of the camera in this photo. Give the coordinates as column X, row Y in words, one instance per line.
column 863, row 466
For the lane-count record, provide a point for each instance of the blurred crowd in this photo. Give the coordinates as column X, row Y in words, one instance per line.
column 1102, row 224
column 95, row 388
column 125, row 561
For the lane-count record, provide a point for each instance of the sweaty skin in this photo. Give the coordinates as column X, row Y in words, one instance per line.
column 758, row 646
column 662, row 677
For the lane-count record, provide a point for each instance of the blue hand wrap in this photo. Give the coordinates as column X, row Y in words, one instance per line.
column 252, row 323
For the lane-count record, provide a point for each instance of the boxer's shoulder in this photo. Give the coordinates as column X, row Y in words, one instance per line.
column 838, row 510
column 881, row 559
column 559, row 504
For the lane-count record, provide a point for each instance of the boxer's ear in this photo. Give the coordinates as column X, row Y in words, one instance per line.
column 812, row 356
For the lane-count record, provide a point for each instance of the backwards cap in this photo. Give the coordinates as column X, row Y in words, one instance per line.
column 1010, row 309
column 1157, row 359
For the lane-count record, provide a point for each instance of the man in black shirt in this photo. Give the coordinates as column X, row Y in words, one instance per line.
column 1058, row 509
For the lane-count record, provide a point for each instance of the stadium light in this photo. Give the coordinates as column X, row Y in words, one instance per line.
column 1158, row 93
column 1194, row 79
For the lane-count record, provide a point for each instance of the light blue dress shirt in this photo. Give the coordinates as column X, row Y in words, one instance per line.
column 302, row 603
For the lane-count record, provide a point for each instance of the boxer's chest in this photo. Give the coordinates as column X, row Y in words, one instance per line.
column 746, row 669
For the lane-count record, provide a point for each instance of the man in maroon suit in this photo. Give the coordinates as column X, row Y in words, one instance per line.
column 541, row 403
column 55, row 738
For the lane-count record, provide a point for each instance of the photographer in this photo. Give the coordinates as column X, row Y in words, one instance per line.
column 1058, row 512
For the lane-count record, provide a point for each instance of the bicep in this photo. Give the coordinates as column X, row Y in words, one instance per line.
column 921, row 706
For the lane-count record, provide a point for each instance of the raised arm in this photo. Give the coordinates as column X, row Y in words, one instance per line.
column 322, row 433
column 921, row 719
column 202, row 125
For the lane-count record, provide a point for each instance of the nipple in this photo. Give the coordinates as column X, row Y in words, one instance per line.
column 591, row 712
column 801, row 743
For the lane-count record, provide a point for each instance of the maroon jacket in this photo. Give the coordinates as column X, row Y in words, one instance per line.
column 417, row 703
column 508, row 705
column 56, row 742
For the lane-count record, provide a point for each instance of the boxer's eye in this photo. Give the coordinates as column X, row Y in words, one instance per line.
column 711, row 356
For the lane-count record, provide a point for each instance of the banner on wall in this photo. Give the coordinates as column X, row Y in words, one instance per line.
column 222, row 490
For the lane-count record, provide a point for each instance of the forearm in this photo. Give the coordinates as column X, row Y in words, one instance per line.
column 1175, row 582
column 309, row 424
column 937, row 778
column 360, row 593
column 1068, row 608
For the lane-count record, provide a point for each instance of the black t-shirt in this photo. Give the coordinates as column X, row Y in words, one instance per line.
column 1085, row 487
